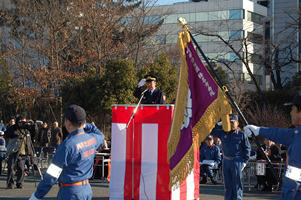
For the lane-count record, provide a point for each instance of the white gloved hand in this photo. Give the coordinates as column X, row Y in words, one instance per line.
column 249, row 128
column 141, row 82
column 243, row 166
column 33, row 197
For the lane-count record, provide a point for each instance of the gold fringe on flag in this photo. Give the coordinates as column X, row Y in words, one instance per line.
column 181, row 99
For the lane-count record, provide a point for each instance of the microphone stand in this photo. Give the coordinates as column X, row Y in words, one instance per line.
column 131, row 118
column 135, row 110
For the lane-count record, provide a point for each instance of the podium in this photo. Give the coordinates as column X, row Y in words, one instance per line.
column 139, row 160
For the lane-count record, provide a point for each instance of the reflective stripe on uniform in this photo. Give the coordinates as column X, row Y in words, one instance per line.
column 84, row 182
column 54, row 170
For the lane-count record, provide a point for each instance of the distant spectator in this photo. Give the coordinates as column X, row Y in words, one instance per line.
column 2, row 126
column 210, row 158
column 44, row 135
column 218, row 143
column 45, row 138
column 56, row 135
column 11, row 122
column 105, row 146
column 2, row 150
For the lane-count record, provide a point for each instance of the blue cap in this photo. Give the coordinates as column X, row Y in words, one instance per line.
column 233, row 117
column 75, row 114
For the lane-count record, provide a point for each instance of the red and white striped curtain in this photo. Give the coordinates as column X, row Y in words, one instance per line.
column 139, row 163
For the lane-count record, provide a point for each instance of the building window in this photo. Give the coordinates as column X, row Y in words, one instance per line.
column 233, row 14
column 236, row 14
column 213, row 16
column 236, row 35
column 201, row 17
column 192, row 17
column 126, row 20
column 232, row 57
column 223, row 15
column 245, row 77
column 255, row 37
column 152, row 19
column 254, row 17
column 158, row 39
column 258, row 79
column 171, row 19
column 171, row 39
column 255, row 58
column 202, row 38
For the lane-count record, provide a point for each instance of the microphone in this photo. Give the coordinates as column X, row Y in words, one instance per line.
column 135, row 110
column 144, row 92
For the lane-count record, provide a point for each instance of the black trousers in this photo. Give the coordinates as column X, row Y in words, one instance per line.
column 268, row 180
column 1, row 159
column 15, row 161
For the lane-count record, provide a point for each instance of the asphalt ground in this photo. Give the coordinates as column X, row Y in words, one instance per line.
column 101, row 191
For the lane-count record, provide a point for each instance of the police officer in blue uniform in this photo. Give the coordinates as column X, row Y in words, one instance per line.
column 236, row 153
column 152, row 95
column 72, row 165
column 210, row 158
column 290, row 137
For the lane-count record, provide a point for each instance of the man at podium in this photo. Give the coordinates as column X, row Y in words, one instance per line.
column 151, row 95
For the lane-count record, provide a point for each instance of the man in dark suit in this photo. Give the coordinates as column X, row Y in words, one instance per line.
column 152, row 95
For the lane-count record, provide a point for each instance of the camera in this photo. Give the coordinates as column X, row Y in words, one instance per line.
column 29, row 125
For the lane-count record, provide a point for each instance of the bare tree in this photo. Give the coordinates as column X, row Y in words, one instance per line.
column 55, row 40
column 239, row 45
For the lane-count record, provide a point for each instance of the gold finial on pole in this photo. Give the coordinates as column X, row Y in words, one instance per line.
column 182, row 21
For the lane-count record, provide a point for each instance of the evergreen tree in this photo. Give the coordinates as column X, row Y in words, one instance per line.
column 166, row 75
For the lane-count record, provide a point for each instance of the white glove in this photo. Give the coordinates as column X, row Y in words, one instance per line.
column 141, row 82
column 243, row 166
column 208, row 162
column 33, row 197
column 249, row 128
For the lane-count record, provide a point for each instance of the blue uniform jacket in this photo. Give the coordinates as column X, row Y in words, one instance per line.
column 291, row 138
column 210, row 153
column 235, row 144
column 75, row 156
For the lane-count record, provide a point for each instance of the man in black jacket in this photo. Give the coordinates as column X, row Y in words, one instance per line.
column 19, row 147
column 152, row 95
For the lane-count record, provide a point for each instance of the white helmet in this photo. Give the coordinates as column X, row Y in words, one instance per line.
column 1, row 133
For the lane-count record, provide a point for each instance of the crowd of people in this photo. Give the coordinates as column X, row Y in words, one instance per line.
column 229, row 151
column 20, row 141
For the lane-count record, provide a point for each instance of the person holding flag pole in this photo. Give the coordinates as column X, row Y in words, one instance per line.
column 236, row 153
column 201, row 102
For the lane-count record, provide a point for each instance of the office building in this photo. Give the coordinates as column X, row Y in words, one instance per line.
column 240, row 23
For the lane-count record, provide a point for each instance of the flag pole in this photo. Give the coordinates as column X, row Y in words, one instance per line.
column 183, row 22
